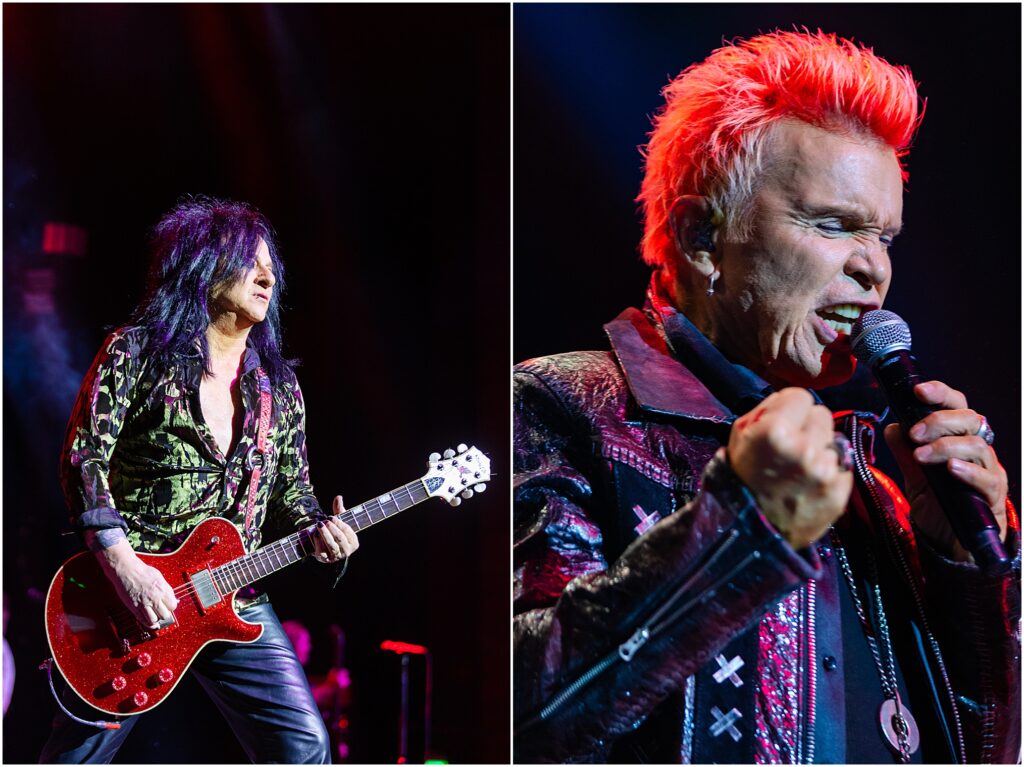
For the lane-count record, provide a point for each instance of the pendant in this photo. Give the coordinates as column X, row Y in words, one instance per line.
column 893, row 728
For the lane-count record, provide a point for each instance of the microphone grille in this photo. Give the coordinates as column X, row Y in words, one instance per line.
column 878, row 332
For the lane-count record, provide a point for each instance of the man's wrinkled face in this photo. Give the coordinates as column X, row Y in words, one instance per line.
column 249, row 296
column 823, row 219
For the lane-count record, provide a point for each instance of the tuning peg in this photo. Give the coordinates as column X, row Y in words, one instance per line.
column 467, row 493
column 462, row 448
column 480, row 488
column 433, row 457
column 449, row 453
column 455, row 501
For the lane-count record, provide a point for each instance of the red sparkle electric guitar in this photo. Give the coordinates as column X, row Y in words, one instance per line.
column 119, row 666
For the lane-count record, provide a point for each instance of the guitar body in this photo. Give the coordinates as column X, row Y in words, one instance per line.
column 109, row 659
column 118, row 666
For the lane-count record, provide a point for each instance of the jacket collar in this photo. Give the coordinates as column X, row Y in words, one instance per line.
column 658, row 381
column 192, row 365
column 649, row 344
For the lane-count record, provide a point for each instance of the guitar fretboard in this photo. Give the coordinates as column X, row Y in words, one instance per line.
column 289, row 550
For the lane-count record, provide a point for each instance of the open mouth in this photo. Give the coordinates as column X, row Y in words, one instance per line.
column 840, row 317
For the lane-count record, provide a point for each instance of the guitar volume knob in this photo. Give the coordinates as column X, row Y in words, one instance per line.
column 118, row 683
column 144, row 659
column 140, row 698
column 165, row 675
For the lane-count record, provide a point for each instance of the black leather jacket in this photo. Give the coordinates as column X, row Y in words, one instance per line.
column 661, row 618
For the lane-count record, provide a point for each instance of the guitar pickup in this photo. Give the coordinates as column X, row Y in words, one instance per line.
column 205, row 589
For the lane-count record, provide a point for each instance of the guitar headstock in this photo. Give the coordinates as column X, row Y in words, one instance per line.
column 457, row 474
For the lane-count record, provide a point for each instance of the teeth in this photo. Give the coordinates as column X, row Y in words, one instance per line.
column 840, row 317
column 843, row 310
column 840, row 327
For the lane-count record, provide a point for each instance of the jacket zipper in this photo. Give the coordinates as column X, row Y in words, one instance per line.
column 892, row 538
column 812, row 670
column 650, row 628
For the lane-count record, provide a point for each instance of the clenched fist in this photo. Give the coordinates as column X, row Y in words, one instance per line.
column 783, row 451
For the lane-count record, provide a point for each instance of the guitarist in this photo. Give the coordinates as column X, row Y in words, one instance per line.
column 188, row 413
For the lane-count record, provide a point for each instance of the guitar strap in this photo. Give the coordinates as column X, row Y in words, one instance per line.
column 255, row 459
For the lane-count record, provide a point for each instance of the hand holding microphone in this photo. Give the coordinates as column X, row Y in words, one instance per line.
column 955, row 484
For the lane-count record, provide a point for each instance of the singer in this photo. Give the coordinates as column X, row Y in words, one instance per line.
column 707, row 566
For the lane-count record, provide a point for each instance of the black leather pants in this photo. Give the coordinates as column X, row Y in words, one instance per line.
column 260, row 688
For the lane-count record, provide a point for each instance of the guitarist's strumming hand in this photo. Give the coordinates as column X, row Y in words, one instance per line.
column 142, row 588
column 337, row 540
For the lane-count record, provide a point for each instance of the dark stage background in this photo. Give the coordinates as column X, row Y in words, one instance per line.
column 375, row 138
column 587, row 80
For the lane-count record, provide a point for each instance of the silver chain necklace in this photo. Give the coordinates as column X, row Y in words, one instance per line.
column 895, row 720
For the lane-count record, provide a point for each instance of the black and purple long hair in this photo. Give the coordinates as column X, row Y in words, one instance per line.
column 200, row 246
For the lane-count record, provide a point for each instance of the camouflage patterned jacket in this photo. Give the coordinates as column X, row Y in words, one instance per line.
column 138, row 454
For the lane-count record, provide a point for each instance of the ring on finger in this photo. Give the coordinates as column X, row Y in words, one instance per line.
column 843, row 449
column 985, row 431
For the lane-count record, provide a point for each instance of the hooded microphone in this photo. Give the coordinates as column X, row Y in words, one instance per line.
column 881, row 340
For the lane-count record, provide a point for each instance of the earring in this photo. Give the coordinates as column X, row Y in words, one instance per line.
column 711, row 282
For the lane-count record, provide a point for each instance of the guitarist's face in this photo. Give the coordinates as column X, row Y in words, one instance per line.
column 248, row 298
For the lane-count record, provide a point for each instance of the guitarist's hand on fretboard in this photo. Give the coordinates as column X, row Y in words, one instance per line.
column 336, row 540
column 143, row 589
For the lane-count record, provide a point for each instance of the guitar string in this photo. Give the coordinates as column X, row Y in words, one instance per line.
column 231, row 570
column 261, row 556
column 236, row 567
column 252, row 561
column 349, row 516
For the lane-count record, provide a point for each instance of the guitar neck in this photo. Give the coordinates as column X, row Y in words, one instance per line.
column 290, row 549
column 383, row 506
